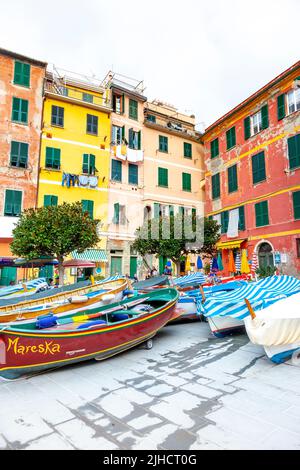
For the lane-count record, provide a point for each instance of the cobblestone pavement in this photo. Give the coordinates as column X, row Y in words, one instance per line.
column 191, row 391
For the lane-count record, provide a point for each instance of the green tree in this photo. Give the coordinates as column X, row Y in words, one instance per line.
column 169, row 243
column 54, row 231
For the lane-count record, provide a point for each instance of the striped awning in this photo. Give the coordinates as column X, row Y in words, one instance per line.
column 230, row 245
column 97, row 256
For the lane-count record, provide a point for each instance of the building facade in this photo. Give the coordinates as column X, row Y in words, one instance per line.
column 75, row 150
column 252, row 160
column 174, row 166
column 21, row 106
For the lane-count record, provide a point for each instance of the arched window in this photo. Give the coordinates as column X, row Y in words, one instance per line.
column 265, row 255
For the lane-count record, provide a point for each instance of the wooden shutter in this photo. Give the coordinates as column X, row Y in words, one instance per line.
column 162, row 177
column 258, row 167
column 296, row 204
column 139, row 140
column 123, row 104
column 294, row 151
column 9, row 201
column 261, row 214
column 265, row 116
column 215, row 182
column 92, row 164
column 85, row 163
column 116, row 219
column 280, row 107
column 242, row 224
column 130, row 138
column 214, row 148
column 123, row 132
column 132, row 174
column 224, row 221
column 186, row 181
column 232, row 178
column 247, row 128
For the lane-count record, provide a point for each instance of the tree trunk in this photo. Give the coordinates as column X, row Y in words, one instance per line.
column 61, row 271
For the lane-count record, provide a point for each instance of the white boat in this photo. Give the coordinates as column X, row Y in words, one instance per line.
column 223, row 326
column 277, row 329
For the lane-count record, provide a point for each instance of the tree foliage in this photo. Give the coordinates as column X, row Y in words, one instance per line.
column 54, row 231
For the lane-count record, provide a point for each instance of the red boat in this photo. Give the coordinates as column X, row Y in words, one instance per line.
column 50, row 342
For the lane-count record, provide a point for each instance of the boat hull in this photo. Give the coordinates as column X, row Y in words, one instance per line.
column 223, row 326
column 23, row 352
column 186, row 309
column 282, row 352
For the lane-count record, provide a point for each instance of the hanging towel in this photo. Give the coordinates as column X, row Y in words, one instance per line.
column 83, row 180
column 135, row 156
column 119, row 153
column 220, row 262
column 233, row 225
column 124, row 150
column 93, row 181
column 238, row 261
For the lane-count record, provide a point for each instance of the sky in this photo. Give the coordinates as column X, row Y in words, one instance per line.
column 204, row 57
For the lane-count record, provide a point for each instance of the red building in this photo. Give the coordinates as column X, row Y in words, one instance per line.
column 252, row 161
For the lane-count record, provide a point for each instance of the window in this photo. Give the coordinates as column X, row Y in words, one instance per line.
column 232, row 179
column 186, row 182
column 57, row 116
column 88, row 164
column 151, row 118
column 293, row 101
column 118, row 134
column 133, row 174
column 87, row 97
column 88, row 206
column 22, row 74
column 116, row 170
column 116, row 218
column 296, row 204
column 230, row 138
column 133, row 109
column 242, row 223
column 19, row 110
column 13, row 203
column 157, row 210
column 19, row 154
column 92, row 124
column 257, row 122
column 298, row 247
column 52, row 158
column 119, row 104
column 163, row 177
column 280, row 107
column 261, row 214
column 215, row 183
column 258, row 167
column 187, row 150
column 214, row 148
column 163, row 144
column 50, row 200
column 294, row 151
column 224, row 221
column 134, row 139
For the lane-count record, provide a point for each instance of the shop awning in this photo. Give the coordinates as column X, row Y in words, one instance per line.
column 94, row 255
column 77, row 263
column 230, row 245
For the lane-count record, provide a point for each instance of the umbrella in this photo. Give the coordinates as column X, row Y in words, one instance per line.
column 215, row 266
column 188, row 263
column 238, row 261
column 244, row 263
column 199, row 263
column 78, row 263
column 220, row 263
column 169, row 264
column 254, row 264
column 231, row 265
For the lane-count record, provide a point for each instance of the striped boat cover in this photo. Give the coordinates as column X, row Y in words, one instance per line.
column 190, row 279
column 34, row 284
column 288, row 285
column 110, row 278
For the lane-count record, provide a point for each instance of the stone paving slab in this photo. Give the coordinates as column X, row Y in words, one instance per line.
column 191, row 391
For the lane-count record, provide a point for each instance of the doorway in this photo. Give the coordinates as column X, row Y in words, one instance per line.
column 265, row 255
column 115, row 265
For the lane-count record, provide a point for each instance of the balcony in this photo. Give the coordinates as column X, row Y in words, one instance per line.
column 72, row 95
column 171, row 127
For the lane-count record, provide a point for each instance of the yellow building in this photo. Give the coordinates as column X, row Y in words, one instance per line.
column 75, row 150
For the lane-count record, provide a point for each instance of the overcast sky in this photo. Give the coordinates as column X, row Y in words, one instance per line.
column 202, row 56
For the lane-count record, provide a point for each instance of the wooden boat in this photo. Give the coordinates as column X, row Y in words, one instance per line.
column 277, row 328
column 70, row 301
column 50, row 342
column 186, row 308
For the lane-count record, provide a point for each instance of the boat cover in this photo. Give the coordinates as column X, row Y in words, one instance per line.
column 287, row 284
column 151, row 282
column 190, row 280
column 19, row 288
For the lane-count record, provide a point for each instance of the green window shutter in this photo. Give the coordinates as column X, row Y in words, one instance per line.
column 280, row 107
column 247, row 128
column 130, row 136
column 171, row 210
column 186, row 182
column 210, row 217
column 123, row 133
column 296, row 204
column 242, row 224
column 214, row 148
column 187, row 150
column 52, row 158
column 265, row 116
column 116, row 170
column 163, row 143
column 215, row 182
column 50, row 200
column 258, row 167
column 13, row 203
column 116, row 218
column 123, row 104
column 232, row 178
column 294, row 151
column 92, row 167
column 20, row 110
column 151, row 118
column 156, row 209
column 230, row 138
column 88, row 206
column 133, row 109
column 22, row 74
column 261, row 214
column 139, row 140
column 224, row 221
column 57, row 116
column 133, row 177
column 163, row 177
column 85, row 163
column 19, row 154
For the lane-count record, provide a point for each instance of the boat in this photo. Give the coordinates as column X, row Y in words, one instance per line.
column 186, row 308
column 24, row 289
column 49, row 342
column 277, row 329
column 73, row 301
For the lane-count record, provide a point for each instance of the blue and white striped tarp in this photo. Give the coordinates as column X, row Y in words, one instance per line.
column 190, row 279
column 110, row 278
column 287, row 285
column 19, row 288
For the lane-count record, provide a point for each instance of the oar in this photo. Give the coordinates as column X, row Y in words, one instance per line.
column 202, row 293
column 250, row 308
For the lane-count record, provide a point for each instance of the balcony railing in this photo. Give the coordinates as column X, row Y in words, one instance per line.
column 89, row 99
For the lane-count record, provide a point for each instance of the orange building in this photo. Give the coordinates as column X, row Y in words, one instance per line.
column 21, row 109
